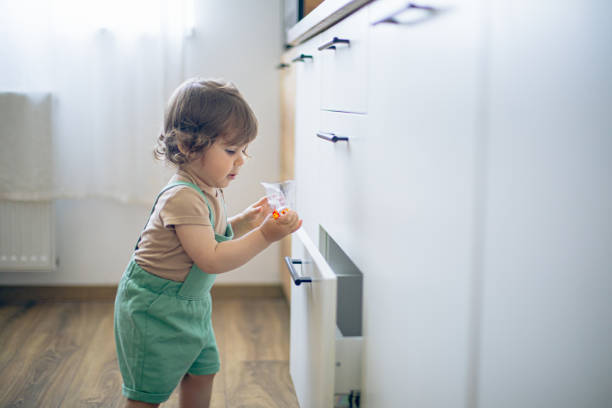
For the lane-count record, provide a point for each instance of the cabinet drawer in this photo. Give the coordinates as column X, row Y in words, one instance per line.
column 324, row 361
column 343, row 169
column 343, row 65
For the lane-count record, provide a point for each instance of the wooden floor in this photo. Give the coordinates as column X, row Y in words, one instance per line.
column 63, row 355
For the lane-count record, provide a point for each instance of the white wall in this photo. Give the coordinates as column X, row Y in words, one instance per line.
column 240, row 41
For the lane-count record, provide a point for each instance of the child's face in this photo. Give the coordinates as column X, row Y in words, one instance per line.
column 220, row 164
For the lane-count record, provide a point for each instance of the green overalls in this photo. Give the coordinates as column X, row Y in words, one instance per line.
column 163, row 328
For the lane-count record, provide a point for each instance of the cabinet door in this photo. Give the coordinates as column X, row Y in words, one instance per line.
column 547, row 282
column 424, row 89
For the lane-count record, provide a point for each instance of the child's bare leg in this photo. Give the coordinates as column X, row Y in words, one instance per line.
column 195, row 391
column 139, row 404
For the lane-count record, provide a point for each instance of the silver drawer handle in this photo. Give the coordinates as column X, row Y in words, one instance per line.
column 297, row 279
column 392, row 18
column 332, row 137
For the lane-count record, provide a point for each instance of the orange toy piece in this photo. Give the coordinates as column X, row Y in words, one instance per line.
column 277, row 214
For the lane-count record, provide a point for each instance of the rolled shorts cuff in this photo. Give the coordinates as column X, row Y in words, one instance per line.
column 144, row 396
column 204, row 370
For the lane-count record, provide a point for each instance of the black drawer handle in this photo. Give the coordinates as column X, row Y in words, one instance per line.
column 302, row 58
column 332, row 44
column 332, row 137
column 282, row 65
column 297, row 279
column 392, row 18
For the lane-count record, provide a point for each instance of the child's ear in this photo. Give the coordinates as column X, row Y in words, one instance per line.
column 182, row 148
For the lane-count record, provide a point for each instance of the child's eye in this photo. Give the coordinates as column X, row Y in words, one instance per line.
column 230, row 152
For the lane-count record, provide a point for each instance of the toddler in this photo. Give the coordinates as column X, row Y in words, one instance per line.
column 163, row 330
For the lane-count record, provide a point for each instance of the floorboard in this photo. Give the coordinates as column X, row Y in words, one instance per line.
column 58, row 354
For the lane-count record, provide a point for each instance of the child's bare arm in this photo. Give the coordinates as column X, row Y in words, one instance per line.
column 213, row 257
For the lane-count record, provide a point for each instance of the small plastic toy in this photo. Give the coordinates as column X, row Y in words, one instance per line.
column 277, row 214
column 280, row 197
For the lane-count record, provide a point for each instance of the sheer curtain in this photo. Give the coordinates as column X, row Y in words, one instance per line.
column 110, row 66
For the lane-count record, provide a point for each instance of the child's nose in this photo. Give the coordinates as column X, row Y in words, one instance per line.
column 240, row 159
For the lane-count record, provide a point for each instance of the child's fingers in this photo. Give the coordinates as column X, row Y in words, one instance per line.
column 255, row 210
column 264, row 205
column 288, row 218
column 298, row 226
column 262, row 201
column 289, row 212
column 295, row 225
column 263, row 209
column 266, row 208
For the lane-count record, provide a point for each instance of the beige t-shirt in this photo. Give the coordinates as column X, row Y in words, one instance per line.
column 159, row 251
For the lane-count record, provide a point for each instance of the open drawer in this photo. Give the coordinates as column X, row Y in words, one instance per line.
column 326, row 338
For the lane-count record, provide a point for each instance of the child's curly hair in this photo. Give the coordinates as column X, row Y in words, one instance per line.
column 198, row 113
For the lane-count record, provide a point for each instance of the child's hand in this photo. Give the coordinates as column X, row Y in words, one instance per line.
column 275, row 229
column 255, row 214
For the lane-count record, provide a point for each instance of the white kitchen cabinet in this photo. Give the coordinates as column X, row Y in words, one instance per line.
column 423, row 111
column 546, row 324
column 325, row 361
column 399, row 198
column 475, row 197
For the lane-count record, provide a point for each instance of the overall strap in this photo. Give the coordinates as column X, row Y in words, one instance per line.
column 168, row 187
column 186, row 183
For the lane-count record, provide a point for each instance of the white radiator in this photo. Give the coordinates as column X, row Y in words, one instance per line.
column 26, row 182
column 26, row 236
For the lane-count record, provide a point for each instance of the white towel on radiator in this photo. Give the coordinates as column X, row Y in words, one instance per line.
column 26, row 150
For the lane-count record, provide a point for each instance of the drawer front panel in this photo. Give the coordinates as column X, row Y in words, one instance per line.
column 342, row 188
column 313, row 326
column 343, row 68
